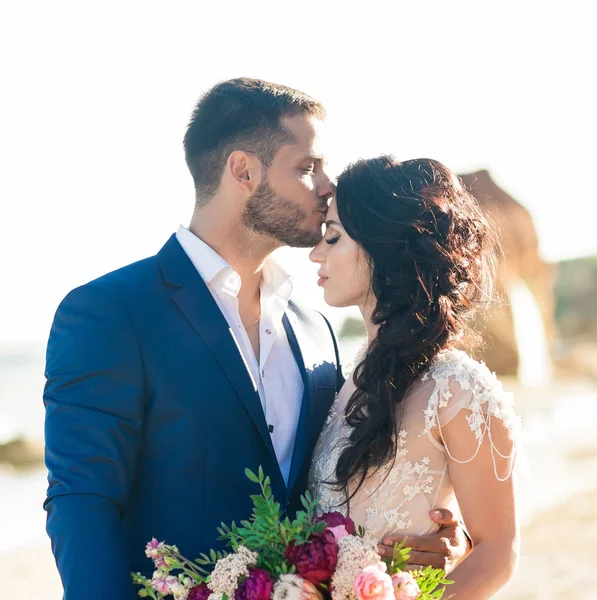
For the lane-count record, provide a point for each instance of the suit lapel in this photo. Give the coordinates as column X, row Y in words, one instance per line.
column 307, row 404
column 309, row 345
column 196, row 303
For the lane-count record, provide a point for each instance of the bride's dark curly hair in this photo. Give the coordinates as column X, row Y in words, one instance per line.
column 432, row 257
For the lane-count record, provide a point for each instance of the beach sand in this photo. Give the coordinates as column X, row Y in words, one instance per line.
column 558, row 554
column 30, row 574
column 559, row 559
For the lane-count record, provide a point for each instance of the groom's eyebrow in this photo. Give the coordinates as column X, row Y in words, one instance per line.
column 314, row 158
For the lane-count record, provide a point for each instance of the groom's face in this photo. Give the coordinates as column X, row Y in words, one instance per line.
column 291, row 202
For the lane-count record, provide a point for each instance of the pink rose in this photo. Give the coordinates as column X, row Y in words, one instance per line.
column 405, row 586
column 338, row 532
column 257, row 586
column 334, row 519
column 316, row 559
column 199, row 592
column 373, row 583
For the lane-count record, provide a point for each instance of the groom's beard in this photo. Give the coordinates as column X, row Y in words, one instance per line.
column 276, row 216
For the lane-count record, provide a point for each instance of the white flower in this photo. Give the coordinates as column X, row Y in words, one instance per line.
column 178, row 590
column 354, row 555
column 294, row 587
column 227, row 571
column 288, row 587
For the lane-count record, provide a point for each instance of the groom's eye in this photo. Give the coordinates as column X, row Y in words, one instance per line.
column 309, row 168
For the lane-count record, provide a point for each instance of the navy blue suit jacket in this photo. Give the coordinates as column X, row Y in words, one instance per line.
column 151, row 419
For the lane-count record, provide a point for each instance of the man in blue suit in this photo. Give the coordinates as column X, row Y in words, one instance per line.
column 168, row 377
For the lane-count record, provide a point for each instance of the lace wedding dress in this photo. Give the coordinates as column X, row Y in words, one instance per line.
column 398, row 498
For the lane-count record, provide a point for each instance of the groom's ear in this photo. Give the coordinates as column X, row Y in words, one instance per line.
column 245, row 170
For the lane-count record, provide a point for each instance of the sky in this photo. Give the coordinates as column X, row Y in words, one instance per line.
column 96, row 97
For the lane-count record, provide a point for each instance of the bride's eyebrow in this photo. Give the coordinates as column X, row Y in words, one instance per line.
column 332, row 223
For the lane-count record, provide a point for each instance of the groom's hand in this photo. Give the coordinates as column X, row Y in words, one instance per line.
column 441, row 550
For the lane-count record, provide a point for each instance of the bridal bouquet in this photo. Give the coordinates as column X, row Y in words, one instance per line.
column 273, row 558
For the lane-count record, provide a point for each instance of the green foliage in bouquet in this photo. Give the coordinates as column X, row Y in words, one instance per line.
column 266, row 532
column 431, row 581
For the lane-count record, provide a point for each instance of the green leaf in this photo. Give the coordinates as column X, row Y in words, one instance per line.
column 250, row 475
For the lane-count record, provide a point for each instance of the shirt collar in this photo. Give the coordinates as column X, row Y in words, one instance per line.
column 276, row 279
column 215, row 271
column 205, row 259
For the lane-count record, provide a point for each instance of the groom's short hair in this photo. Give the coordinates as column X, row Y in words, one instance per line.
column 240, row 114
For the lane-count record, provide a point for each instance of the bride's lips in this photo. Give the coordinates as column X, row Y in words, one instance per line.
column 322, row 279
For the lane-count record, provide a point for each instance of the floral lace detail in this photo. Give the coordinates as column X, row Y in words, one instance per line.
column 397, row 498
column 404, row 482
column 324, row 464
column 483, row 396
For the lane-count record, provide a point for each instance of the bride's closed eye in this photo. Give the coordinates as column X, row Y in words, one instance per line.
column 333, row 240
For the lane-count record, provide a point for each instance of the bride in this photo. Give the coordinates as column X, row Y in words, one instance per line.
column 420, row 423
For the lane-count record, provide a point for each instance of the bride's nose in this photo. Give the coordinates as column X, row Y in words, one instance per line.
column 317, row 255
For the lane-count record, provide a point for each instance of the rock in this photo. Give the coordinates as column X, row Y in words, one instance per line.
column 521, row 261
column 21, row 452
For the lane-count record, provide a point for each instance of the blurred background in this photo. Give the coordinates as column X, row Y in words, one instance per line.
column 96, row 97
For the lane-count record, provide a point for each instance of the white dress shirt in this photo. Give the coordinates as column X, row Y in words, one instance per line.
column 276, row 375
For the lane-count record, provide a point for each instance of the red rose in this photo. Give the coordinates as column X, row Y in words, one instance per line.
column 199, row 592
column 316, row 559
column 334, row 519
column 257, row 586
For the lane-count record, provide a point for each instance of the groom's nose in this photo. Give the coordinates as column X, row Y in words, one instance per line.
column 326, row 189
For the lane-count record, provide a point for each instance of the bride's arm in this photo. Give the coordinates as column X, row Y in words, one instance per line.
column 488, row 505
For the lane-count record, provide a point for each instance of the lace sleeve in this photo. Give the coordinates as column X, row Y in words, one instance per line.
column 459, row 383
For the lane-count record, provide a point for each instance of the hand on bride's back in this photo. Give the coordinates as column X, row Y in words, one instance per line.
column 441, row 550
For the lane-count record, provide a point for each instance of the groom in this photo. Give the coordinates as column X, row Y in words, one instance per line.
column 168, row 377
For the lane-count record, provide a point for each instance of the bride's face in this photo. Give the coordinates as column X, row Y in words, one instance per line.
column 344, row 272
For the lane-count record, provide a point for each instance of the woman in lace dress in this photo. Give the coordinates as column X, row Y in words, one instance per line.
column 420, row 424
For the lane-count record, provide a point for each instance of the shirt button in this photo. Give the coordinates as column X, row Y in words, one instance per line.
column 262, row 372
column 268, row 331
